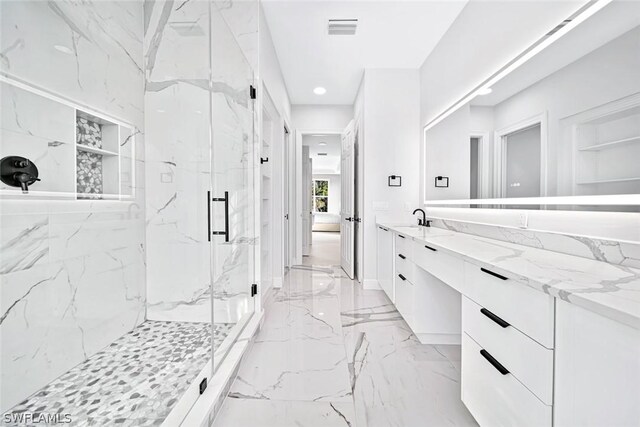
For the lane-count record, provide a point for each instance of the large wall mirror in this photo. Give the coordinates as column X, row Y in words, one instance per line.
column 562, row 127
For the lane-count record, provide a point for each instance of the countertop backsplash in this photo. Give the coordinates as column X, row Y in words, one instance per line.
column 612, row 251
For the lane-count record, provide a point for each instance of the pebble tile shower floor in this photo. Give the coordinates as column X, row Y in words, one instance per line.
column 137, row 380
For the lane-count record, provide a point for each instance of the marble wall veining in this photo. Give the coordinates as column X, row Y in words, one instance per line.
column 72, row 272
column 625, row 253
column 199, row 121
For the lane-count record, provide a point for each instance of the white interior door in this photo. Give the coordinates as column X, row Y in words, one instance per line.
column 347, row 214
column 306, row 201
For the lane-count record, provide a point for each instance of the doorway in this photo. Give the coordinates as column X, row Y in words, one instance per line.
column 322, row 196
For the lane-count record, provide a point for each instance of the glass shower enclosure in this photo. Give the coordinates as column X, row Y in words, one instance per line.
column 127, row 270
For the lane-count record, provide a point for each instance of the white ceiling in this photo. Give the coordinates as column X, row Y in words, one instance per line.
column 324, row 164
column 391, row 34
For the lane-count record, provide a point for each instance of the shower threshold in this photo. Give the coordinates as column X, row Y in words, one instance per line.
column 137, row 380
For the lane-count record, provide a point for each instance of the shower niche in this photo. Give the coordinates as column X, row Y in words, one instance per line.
column 81, row 154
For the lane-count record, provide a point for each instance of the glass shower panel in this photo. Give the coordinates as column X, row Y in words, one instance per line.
column 232, row 186
column 178, row 160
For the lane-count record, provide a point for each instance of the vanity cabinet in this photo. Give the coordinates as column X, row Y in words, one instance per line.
column 445, row 267
column 430, row 307
column 385, row 261
column 507, row 350
column 528, row 359
column 597, row 372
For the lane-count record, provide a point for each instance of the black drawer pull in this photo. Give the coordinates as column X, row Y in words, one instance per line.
column 499, row 276
column 402, row 256
column 494, row 362
column 402, row 277
column 430, row 248
column 384, row 229
column 400, row 235
column 495, row 318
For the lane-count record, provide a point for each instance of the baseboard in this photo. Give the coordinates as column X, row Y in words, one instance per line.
column 439, row 338
column 371, row 284
column 208, row 405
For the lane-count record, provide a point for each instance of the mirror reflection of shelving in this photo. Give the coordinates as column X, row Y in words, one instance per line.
column 607, row 144
column 79, row 155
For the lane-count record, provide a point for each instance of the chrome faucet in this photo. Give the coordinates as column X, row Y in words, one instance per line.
column 423, row 221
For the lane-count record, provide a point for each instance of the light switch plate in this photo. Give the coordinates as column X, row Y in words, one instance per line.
column 523, row 220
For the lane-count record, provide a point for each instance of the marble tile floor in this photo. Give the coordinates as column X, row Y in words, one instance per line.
column 136, row 381
column 333, row 354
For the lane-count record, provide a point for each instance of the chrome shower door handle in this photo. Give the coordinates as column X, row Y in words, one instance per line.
column 224, row 199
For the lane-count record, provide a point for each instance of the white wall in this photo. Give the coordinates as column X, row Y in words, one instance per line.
column 448, row 154
column 391, row 140
column 272, row 82
column 484, row 37
column 321, row 117
column 270, row 72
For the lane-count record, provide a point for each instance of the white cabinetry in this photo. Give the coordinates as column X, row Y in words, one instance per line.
column 597, row 375
column 385, row 261
column 528, row 359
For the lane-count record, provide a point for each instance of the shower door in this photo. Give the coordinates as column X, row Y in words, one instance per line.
column 232, row 188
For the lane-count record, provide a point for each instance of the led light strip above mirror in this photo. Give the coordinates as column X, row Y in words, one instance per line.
column 562, row 130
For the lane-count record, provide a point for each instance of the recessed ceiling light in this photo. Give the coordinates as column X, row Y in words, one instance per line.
column 323, row 143
column 63, row 49
column 319, row 90
column 485, row 91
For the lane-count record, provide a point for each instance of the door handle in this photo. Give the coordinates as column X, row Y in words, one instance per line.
column 224, row 199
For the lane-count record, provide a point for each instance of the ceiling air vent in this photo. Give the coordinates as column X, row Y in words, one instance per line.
column 342, row 27
column 322, row 154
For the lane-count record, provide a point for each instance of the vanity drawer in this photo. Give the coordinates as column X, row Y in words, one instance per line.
column 445, row 267
column 404, row 246
column 528, row 361
column 404, row 298
column 405, row 267
column 526, row 309
column 494, row 398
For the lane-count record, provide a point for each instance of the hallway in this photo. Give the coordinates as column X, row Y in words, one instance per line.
column 332, row 354
column 325, row 249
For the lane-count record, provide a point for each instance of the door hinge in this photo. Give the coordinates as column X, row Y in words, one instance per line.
column 254, row 290
column 253, row 92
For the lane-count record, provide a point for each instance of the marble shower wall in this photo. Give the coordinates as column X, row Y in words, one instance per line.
column 199, row 126
column 72, row 272
column 177, row 123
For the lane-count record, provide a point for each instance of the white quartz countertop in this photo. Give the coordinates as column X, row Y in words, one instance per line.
column 607, row 289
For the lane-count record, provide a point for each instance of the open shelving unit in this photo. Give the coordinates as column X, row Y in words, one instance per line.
column 81, row 154
column 606, row 142
column 266, row 203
